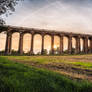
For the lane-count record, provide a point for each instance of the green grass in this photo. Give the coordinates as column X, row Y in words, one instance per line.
column 54, row 59
column 84, row 64
column 21, row 78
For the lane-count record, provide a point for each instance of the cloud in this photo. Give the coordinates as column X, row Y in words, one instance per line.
column 67, row 15
column 77, row 2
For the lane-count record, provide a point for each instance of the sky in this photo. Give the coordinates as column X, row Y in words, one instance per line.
column 62, row 15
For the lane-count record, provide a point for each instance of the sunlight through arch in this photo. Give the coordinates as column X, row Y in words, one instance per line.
column 81, row 44
column 37, row 44
column 26, row 42
column 65, row 43
column 47, row 43
column 88, row 43
column 2, row 41
column 56, row 44
column 74, row 43
column 15, row 41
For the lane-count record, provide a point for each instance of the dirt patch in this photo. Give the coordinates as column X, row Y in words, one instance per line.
column 66, row 69
column 80, row 58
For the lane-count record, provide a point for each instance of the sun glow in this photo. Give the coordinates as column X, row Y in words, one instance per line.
column 55, row 47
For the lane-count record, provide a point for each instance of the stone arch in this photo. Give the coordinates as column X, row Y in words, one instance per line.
column 15, row 41
column 26, row 42
column 3, row 37
column 56, row 44
column 37, row 44
column 65, row 43
column 47, row 43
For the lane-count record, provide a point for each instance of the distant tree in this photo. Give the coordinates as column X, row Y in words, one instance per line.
column 65, row 51
column 45, row 52
column 14, row 52
column 2, row 52
column 38, row 53
column 57, row 50
column 73, row 50
column 6, row 6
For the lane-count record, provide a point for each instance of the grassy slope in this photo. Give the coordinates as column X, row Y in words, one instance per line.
column 28, row 79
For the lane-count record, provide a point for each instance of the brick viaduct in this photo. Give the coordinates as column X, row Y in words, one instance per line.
column 10, row 30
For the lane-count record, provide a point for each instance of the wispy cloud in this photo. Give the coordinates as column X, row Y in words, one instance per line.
column 67, row 15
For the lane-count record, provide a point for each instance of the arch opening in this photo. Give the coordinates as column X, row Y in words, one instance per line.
column 89, row 45
column 15, row 42
column 2, row 42
column 81, row 45
column 56, row 44
column 26, row 43
column 73, row 45
column 37, row 44
column 47, row 44
column 65, row 44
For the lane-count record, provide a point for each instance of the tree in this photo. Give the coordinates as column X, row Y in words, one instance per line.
column 5, row 7
column 57, row 50
column 45, row 52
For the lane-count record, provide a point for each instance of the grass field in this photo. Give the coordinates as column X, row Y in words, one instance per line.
column 85, row 61
column 75, row 66
column 46, row 73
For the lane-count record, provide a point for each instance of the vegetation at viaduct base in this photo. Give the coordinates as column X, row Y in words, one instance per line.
column 17, row 77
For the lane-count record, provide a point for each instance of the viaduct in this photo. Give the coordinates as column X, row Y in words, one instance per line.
column 10, row 30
